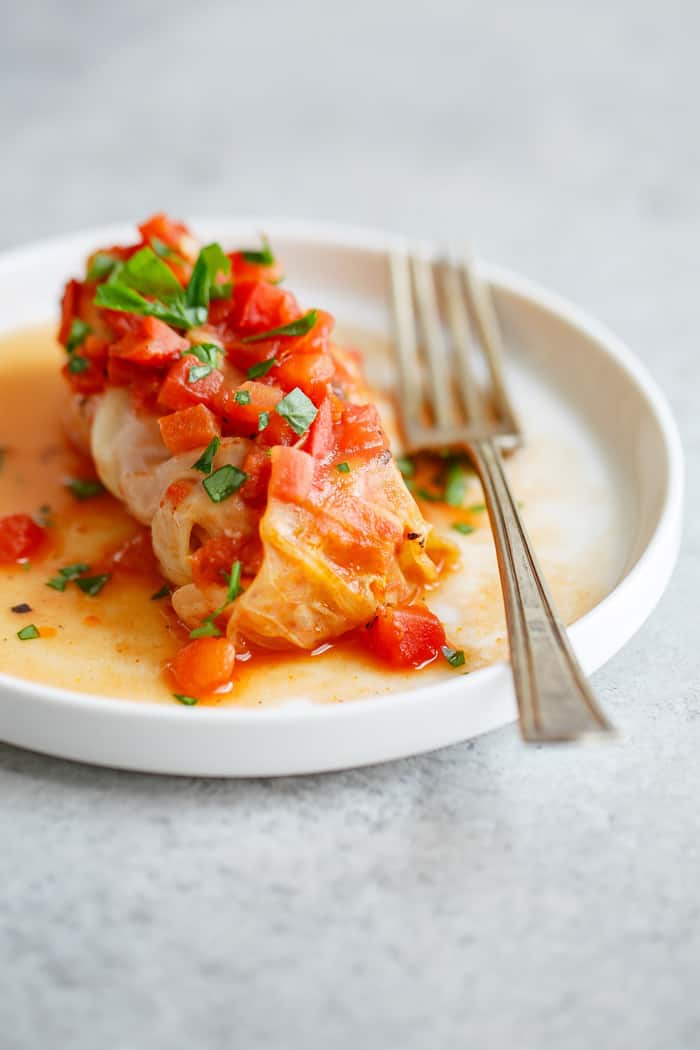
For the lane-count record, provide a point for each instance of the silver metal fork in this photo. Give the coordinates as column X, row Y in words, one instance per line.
column 443, row 407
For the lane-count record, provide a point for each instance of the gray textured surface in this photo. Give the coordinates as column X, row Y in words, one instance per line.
column 488, row 895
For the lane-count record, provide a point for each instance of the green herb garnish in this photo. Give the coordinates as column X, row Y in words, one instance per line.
column 242, row 397
column 406, row 466
column 298, row 409
column 461, row 526
column 188, row 701
column 263, row 420
column 343, row 468
column 199, row 372
column 66, row 574
column 211, row 261
column 118, row 296
column 208, row 628
column 101, row 265
column 92, row 585
column 162, row 593
column 147, row 274
column 476, row 508
column 264, row 257
column 30, row 631
column 299, row 327
column 224, row 482
column 456, row 484
column 82, row 489
column 79, row 331
column 207, row 353
column 454, row 657
column 204, row 463
column 78, row 364
column 261, row 368
column 164, row 251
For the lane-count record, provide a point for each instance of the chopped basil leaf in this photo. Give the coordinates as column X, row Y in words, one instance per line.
column 298, row 410
column 454, row 657
column 264, row 257
column 210, row 262
column 456, row 485
column 82, row 489
column 79, row 331
column 101, row 266
column 71, row 571
column 263, row 420
column 406, row 466
column 242, row 397
column 261, row 368
column 30, row 631
column 92, row 585
column 207, row 628
column 299, row 327
column 224, row 482
column 199, row 372
column 188, row 701
column 461, row 526
column 162, row 593
column 344, row 468
column 204, row 463
column 164, row 251
column 117, row 296
column 78, row 364
column 233, row 583
column 66, row 574
column 476, row 508
column 147, row 274
column 207, row 353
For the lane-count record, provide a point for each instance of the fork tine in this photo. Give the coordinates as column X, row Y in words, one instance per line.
column 434, row 340
column 491, row 340
column 404, row 318
column 458, row 319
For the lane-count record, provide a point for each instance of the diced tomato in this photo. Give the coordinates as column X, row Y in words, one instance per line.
column 119, row 321
column 243, row 270
column 189, row 428
column 151, row 342
column 20, row 536
column 292, row 474
column 243, row 419
column 258, row 306
column 310, row 371
column 90, row 381
column 316, row 339
column 95, row 348
column 178, row 491
column 321, row 441
column 144, row 389
column 214, row 559
column 406, row 636
column 361, row 433
column 177, row 391
column 135, row 555
column 257, row 465
column 175, row 234
column 69, row 309
column 203, row 666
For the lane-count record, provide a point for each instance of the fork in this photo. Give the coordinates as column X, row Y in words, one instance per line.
column 554, row 700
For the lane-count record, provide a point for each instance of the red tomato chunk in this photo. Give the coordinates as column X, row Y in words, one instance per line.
column 406, row 636
column 20, row 536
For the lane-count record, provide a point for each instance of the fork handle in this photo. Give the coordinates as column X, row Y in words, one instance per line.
column 554, row 700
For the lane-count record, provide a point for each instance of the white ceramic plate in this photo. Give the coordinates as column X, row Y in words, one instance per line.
column 586, row 371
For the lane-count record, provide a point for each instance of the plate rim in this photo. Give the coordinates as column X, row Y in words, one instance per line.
column 660, row 551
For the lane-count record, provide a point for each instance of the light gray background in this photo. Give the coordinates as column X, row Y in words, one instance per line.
column 488, row 895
